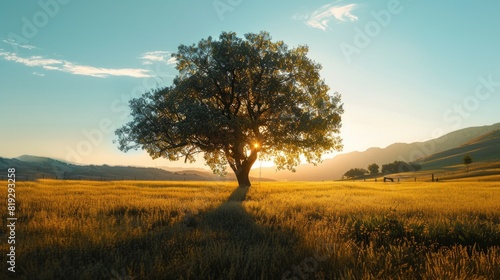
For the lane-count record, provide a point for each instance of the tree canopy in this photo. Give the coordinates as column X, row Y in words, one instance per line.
column 235, row 98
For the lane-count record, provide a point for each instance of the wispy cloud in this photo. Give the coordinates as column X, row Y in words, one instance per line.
column 321, row 17
column 38, row 74
column 158, row 56
column 15, row 44
column 104, row 72
column 73, row 68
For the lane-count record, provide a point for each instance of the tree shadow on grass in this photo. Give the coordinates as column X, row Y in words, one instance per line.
column 222, row 243
column 235, row 246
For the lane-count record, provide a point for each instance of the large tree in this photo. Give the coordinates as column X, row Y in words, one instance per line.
column 233, row 99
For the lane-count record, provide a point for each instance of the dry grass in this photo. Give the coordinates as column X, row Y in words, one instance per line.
column 207, row 230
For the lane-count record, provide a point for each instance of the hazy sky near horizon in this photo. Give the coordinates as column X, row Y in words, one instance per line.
column 407, row 70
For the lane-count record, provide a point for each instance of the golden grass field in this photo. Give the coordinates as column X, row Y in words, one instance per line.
column 273, row 230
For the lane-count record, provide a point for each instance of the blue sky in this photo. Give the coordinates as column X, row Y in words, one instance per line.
column 407, row 70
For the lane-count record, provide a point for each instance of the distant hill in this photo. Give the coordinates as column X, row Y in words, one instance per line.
column 332, row 169
column 482, row 143
column 33, row 167
column 483, row 148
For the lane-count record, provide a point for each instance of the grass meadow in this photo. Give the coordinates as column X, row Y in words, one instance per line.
column 273, row 230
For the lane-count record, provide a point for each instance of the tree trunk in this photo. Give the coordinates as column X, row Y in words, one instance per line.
column 243, row 170
column 243, row 178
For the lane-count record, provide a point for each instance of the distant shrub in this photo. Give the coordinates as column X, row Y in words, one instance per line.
column 400, row 166
column 355, row 172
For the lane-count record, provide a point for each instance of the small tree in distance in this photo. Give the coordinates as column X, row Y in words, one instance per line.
column 355, row 173
column 235, row 98
column 400, row 166
column 373, row 168
column 467, row 160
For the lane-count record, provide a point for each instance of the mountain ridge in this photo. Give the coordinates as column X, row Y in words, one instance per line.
column 29, row 167
column 334, row 168
column 486, row 147
column 430, row 154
